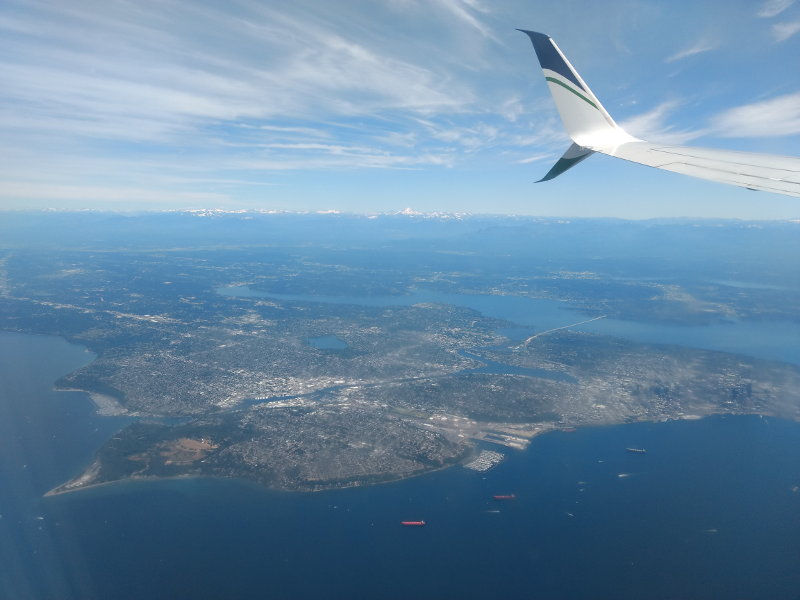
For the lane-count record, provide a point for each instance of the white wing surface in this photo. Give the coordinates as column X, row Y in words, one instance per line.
column 593, row 130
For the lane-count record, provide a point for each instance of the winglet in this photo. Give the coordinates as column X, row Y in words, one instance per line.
column 586, row 121
column 584, row 118
column 593, row 130
column 569, row 159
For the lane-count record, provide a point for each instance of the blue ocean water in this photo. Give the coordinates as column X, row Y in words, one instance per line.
column 711, row 511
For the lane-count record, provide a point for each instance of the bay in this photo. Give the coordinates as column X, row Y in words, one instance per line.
column 768, row 340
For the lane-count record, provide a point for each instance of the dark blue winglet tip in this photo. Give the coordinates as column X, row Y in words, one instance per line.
column 540, row 40
column 534, row 33
column 549, row 57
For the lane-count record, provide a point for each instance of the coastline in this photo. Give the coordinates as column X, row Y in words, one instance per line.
column 76, row 485
column 83, row 481
column 105, row 406
column 72, row 485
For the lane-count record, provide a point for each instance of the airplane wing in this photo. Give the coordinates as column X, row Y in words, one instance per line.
column 593, row 130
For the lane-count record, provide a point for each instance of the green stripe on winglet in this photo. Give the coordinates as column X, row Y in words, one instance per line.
column 566, row 87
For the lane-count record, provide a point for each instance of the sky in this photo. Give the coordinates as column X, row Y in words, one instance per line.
column 371, row 106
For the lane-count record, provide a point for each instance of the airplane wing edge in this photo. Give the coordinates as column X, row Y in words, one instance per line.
column 592, row 129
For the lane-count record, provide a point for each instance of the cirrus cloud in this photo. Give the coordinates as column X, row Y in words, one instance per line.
column 776, row 117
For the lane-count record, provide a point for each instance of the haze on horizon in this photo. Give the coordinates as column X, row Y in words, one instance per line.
column 369, row 107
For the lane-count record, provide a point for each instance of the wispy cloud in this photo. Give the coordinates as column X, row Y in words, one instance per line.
column 772, row 8
column 783, row 31
column 696, row 48
column 240, row 90
column 534, row 158
column 306, row 131
column 776, row 117
column 62, row 67
column 468, row 11
column 652, row 126
column 28, row 190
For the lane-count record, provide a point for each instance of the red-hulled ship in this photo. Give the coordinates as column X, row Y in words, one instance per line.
column 504, row 496
column 412, row 523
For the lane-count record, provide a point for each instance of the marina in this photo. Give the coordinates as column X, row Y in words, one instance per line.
column 485, row 460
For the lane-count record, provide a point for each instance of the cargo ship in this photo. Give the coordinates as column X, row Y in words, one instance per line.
column 412, row 523
column 504, row 496
column 636, row 450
